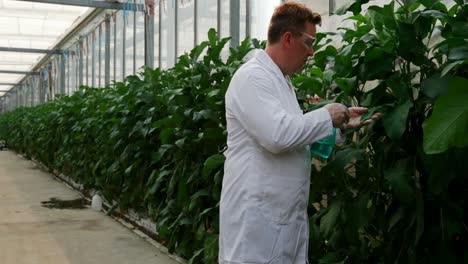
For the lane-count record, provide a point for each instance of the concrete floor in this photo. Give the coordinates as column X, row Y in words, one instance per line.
column 30, row 233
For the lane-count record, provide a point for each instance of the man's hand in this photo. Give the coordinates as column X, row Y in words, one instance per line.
column 355, row 114
column 339, row 113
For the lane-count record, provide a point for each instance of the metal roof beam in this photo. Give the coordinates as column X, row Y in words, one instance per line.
column 5, row 91
column 19, row 72
column 12, row 84
column 28, row 36
column 89, row 3
column 8, row 49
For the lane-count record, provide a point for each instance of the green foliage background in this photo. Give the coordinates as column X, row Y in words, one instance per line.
column 394, row 193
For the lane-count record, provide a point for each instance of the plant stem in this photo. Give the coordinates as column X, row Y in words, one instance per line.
column 429, row 37
column 404, row 7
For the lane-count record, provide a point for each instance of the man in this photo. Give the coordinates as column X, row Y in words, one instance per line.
column 263, row 210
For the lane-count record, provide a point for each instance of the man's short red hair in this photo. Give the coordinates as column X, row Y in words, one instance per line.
column 292, row 17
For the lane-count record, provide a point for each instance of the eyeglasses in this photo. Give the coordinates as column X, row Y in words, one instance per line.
column 309, row 41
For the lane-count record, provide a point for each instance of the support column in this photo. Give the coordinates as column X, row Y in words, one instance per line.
column 107, row 51
column 159, row 35
column 218, row 17
column 33, row 88
column 248, row 23
column 234, row 26
column 124, row 41
column 135, row 13
column 195, row 23
column 149, row 40
column 80, row 62
column 176, row 35
column 93, row 57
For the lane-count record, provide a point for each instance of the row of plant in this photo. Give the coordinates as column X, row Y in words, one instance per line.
column 152, row 143
column 396, row 191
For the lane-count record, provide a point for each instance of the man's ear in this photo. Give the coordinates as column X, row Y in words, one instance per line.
column 286, row 39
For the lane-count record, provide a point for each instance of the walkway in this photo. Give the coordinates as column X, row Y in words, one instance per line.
column 33, row 234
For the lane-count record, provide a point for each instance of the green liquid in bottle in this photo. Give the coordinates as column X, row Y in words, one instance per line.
column 324, row 147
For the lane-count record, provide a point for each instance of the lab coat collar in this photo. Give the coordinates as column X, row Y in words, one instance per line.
column 265, row 59
column 273, row 68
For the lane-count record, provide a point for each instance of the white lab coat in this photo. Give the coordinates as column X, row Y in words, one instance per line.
column 263, row 210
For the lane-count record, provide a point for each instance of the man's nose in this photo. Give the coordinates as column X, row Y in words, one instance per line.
column 310, row 52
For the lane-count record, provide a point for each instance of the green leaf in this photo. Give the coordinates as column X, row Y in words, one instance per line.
column 211, row 249
column 380, row 16
column 212, row 37
column 433, row 13
column 460, row 29
column 195, row 53
column 428, row 3
column 377, row 64
column 200, row 193
column 394, row 121
column 346, row 84
column 321, row 58
column 128, row 170
column 185, row 221
column 435, row 86
column 459, row 53
column 371, row 111
column 166, row 134
column 448, row 125
column 410, row 45
column 395, row 218
column 311, row 85
column 399, row 87
column 213, row 163
column 345, row 156
column 315, row 72
column 450, row 66
column 328, row 221
column 180, row 143
column 359, row 18
column 343, row 9
column 408, row 2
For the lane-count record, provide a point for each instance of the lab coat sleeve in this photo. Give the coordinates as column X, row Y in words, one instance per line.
column 257, row 107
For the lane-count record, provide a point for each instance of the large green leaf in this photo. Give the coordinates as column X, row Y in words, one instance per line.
column 410, row 45
column 328, row 221
column 460, row 28
column 377, row 64
column 345, row 156
column 347, row 84
column 459, row 53
column 452, row 65
column 395, row 120
column 435, row 86
column 448, row 125
column 312, row 85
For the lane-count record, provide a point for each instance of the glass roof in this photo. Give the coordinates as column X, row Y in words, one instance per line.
column 30, row 25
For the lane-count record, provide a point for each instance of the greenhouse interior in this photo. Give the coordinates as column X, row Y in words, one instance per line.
column 234, row 131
